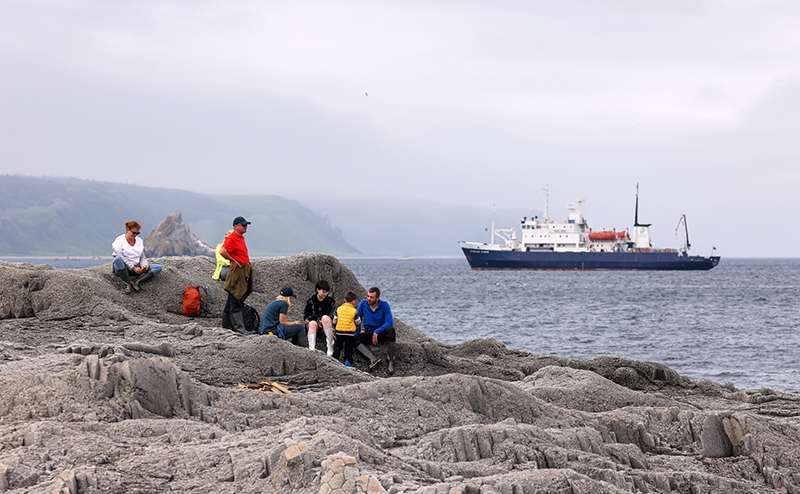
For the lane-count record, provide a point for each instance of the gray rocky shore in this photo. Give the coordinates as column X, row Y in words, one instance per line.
column 102, row 392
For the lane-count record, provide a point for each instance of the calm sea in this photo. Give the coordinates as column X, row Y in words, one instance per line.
column 739, row 322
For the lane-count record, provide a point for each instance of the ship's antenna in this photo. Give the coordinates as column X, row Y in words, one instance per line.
column 491, row 240
column 545, row 189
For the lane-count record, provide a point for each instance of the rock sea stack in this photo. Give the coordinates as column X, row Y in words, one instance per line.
column 103, row 392
column 172, row 237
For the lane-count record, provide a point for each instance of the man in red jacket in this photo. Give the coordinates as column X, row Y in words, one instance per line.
column 239, row 282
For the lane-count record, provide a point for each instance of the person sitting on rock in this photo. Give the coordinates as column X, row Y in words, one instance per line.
column 274, row 322
column 378, row 327
column 319, row 313
column 222, row 264
column 130, row 261
column 346, row 322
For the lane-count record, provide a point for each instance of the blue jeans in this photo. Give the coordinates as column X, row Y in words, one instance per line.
column 119, row 265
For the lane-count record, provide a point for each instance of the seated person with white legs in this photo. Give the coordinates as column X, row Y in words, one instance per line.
column 319, row 313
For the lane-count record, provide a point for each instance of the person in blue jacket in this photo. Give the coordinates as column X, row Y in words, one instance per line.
column 378, row 327
column 274, row 319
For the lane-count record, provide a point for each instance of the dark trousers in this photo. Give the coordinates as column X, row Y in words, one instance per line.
column 386, row 336
column 292, row 332
column 234, row 304
column 346, row 341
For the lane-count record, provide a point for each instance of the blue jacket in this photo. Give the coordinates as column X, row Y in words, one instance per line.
column 375, row 321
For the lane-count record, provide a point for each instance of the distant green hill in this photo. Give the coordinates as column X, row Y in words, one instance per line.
column 66, row 216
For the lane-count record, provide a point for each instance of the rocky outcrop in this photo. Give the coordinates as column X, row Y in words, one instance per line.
column 172, row 237
column 102, row 392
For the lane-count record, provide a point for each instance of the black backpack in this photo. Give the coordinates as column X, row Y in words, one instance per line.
column 252, row 320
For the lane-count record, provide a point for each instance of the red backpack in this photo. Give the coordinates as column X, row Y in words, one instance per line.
column 195, row 301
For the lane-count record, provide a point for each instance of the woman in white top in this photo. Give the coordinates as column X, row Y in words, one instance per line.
column 130, row 262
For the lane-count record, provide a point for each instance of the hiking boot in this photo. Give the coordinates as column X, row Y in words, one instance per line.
column 373, row 361
column 140, row 279
column 329, row 341
column 312, row 341
column 237, row 322
column 123, row 273
column 391, row 349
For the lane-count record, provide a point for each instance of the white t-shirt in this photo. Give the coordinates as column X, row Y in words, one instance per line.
column 132, row 254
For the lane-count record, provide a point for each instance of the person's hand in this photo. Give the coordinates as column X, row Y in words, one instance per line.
column 137, row 270
column 234, row 265
column 374, row 338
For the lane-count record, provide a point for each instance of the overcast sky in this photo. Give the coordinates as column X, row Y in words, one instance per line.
column 475, row 103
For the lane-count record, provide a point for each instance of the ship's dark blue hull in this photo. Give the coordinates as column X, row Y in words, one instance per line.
column 665, row 261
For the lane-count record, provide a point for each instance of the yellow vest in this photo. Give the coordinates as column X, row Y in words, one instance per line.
column 346, row 316
column 221, row 262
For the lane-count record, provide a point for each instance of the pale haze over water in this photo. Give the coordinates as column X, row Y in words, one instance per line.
column 386, row 104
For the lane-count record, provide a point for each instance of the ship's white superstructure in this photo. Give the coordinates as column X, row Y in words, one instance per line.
column 572, row 235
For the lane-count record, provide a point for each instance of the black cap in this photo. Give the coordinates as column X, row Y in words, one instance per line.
column 240, row 221
column 287, row 292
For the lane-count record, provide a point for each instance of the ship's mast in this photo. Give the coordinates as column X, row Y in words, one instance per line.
column 636, row 213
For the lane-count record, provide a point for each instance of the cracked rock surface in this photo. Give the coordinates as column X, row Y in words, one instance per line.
column 103, row 392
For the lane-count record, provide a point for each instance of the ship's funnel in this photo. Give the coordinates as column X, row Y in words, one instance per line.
column 641, row 231
column 641, row 237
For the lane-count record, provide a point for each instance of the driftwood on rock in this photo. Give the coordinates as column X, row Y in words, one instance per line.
column 103, row 392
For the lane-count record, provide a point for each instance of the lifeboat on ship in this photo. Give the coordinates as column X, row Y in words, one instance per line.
column 603, row 236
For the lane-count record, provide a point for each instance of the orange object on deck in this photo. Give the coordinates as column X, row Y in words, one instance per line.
column 603, row 236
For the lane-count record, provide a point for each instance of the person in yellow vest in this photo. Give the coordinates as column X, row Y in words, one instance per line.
column 222, row 264
column 346, row 322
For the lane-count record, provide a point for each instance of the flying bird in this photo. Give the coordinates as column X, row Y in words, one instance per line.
column 367, row 94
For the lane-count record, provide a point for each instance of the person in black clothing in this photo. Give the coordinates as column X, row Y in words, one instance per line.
column 319, row 313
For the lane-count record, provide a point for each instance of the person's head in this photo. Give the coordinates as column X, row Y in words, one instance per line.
column 132, row 229
column 350, row 297
column 373, row 295
column 240, row 225
column 323, row 288
column 286, row 295
column 132, row 225
column 228, row 233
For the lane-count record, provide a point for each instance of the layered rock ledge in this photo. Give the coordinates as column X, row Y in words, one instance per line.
column 102, row 392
